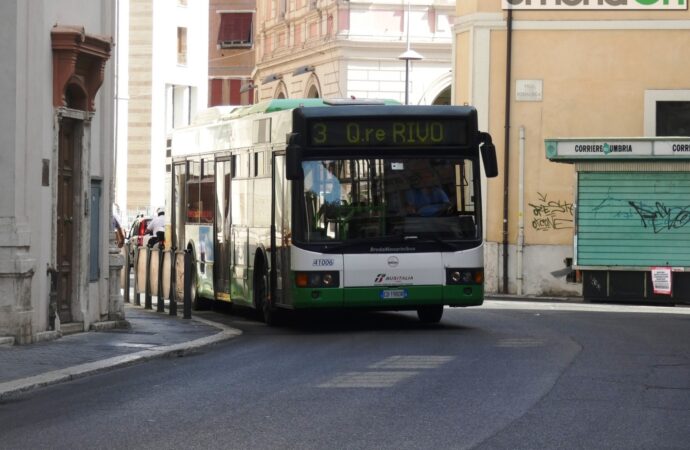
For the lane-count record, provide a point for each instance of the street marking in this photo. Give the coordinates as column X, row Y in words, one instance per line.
column 388, row 372
column 412, row 362
column 367, row 379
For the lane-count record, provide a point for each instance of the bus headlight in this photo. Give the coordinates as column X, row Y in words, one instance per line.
column 327, row 279
column 464, row 276
column 317, row 279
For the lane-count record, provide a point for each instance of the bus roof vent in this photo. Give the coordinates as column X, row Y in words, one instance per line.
column 213, row 114
column 354, row 101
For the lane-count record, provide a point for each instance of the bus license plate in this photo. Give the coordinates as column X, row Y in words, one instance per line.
column 393, row 294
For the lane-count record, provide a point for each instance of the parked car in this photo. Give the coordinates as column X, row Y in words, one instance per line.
column 137, row 236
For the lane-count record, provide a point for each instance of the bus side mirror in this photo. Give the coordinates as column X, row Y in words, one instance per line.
column 488, row 156
column 293, row 159
column 489, row 160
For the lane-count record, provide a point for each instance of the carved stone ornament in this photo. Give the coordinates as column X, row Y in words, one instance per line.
column 78, row 66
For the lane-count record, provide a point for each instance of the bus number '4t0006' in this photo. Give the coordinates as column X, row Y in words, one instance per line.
column 387, row 132
column 321, row 262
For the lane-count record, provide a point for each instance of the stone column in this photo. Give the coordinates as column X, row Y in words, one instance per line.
column 116, row 302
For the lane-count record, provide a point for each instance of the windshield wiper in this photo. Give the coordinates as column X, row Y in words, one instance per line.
column 431, row 237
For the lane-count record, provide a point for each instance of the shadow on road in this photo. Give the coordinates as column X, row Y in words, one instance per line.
column 331, row 321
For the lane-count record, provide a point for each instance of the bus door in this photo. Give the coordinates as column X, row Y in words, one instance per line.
column 239, row 228
column 222, row 242
column 199, row 224
column 281, row 235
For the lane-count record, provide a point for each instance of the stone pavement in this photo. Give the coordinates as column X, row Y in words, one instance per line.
column 150, row 335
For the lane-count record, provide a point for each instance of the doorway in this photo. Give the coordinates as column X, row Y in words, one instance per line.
column 69, row 163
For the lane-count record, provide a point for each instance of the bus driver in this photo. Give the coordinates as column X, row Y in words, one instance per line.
column 424, row 198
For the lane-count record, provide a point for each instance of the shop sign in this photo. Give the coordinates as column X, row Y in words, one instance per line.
column 667, row 148
column 620, row 5
column 572, row 149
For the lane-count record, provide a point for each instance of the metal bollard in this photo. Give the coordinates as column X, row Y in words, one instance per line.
column 148, row 304
column 126, row 271
column 161, row 301
column 172, row 300
column 137, row 281
column 187, row 305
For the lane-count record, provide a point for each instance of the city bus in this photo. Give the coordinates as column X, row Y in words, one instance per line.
column 306, row 204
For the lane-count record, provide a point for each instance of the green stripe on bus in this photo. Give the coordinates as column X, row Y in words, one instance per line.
column 372, row 297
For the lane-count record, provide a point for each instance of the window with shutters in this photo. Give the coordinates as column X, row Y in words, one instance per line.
column 181, row 46
column 235, row 30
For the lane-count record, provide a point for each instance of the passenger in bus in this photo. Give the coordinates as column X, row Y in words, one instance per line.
column 157, row 227
column 331, row 185
column 424, row 199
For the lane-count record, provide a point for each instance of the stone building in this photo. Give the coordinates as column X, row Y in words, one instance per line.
column 336, row 49
column 56, row 134
column 231, row 48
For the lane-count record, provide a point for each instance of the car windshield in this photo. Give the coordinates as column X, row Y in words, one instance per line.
column 388, row 199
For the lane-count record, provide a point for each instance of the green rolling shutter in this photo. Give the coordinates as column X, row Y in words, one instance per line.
column 633, row 219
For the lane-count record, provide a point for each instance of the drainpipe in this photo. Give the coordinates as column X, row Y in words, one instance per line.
column 521, row 209
column 506, row 146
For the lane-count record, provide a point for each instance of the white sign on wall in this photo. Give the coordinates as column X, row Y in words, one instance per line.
column 528, row 90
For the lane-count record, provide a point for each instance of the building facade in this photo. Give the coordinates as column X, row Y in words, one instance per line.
column 336, row 49
column 57, row 133
column 168, row 82
column 231, row 52
column 545, row 74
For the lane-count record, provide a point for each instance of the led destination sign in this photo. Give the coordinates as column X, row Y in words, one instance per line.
column 387, row 132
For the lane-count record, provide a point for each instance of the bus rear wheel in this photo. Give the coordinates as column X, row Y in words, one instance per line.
column 430, row 314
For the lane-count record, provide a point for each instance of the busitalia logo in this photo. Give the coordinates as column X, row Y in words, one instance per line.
column 392, row 279
column 596, row 4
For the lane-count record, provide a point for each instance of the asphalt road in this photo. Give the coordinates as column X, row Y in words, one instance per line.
column 505, row 375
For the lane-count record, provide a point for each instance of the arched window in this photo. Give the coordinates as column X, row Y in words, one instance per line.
column 443, row 97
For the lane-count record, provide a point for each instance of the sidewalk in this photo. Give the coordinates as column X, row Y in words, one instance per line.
column 151, row 335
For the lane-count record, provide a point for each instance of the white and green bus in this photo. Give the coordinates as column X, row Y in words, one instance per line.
column 312, row 204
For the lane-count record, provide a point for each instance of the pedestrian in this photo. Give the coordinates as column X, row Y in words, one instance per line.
column 157, row 228
column 117, row 227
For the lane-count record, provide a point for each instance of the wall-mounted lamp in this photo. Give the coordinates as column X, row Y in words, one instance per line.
column 247, row 87
column 303, row 70
column 271, row 78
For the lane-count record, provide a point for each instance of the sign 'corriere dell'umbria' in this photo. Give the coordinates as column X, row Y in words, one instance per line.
column 626, row 148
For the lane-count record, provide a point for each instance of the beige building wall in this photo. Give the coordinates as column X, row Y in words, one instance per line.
column 596, row 68
column 140, row 90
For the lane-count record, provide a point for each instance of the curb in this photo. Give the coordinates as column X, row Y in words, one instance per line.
column 528, row 298
column 14, row 387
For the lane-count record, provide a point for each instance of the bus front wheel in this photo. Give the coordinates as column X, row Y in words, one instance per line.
column 430, row 314
column 265, row 309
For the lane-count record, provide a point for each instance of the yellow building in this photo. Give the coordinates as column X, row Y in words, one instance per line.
column 565, row 72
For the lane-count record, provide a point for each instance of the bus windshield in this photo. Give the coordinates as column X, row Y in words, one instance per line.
column 374, row 199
